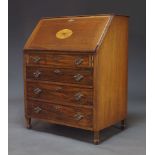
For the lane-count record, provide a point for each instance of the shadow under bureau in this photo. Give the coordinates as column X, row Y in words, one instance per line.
column 75, row 72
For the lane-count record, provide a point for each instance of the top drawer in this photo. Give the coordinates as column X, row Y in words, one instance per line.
column 58, row 60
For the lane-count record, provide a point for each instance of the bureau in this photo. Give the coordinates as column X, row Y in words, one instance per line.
column 75, row 72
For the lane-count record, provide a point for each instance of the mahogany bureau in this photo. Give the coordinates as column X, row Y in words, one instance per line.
column 75, row 72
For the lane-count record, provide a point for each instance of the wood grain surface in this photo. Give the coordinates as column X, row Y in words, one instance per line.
column 77, row 79
column 87, row 32
column 110, row 76
column 81, row 117
column 58, row 60
column 60, row 94
column 61, row 75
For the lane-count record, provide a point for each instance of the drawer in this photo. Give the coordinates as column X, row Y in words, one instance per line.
column 60, row 94
column 75, row 76
column 60, row 60
column 74, row 116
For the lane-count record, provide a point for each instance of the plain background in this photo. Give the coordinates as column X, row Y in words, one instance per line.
column 23, row 17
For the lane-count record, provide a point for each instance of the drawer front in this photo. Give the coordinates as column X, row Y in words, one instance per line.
column 63, row 114
column 75, row 76
column 60, row 60
column 60, row 94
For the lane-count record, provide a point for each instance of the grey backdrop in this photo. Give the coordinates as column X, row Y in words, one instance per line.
column 23, row 16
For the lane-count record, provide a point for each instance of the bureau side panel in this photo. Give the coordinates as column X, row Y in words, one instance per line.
column 25, row 85
column 110, row 75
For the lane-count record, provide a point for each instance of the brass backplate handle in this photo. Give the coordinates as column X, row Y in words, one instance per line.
column 78, row 116
column 36, row 59
column 79, row 61
column 37, row 109
column 78, row 96
column 78, row 77
column 37, row 91
column 36, row 74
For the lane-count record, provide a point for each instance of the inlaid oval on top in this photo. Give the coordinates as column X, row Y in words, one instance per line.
column 64, row 33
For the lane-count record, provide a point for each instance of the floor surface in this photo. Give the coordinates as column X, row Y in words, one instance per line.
column 48, row 139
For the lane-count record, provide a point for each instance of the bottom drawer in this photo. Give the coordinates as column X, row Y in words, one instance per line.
column 72, row 116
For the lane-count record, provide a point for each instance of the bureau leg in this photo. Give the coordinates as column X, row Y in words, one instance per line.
column 96, row 137
column 28, row 122
column 123, row 124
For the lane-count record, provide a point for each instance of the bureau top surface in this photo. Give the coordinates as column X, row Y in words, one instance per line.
column 82, row 34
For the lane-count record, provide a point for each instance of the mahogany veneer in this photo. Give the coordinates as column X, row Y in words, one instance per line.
column 75, row 72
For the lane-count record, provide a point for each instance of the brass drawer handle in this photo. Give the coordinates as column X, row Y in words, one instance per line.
column 58, row 88
column 37, row 110
column 36, row 59
column 78, row 61
column 37, row 91
column 78, row 96
column 78, row 77
column 57, row 71
column 36, row 74
column 78, row 116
